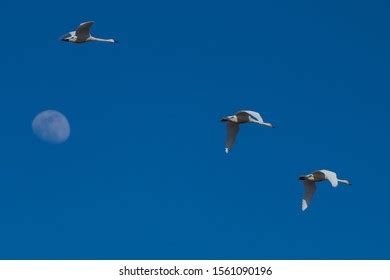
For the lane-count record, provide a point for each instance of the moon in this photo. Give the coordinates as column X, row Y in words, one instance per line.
column 51, row 126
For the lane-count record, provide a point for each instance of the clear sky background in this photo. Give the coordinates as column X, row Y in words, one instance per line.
column 144, row 174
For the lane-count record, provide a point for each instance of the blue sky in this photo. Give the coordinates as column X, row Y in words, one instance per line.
column 144, row 174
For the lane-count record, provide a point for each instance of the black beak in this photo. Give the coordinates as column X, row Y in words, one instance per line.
column 303, row 178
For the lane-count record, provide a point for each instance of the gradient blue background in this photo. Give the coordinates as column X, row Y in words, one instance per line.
column 144, row 174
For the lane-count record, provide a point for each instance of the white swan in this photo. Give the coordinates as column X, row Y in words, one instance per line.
column 82, row 35
column 309, row 182
column 233, row 125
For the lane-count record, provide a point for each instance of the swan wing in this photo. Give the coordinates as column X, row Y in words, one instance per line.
column 310, row 188
column 83, row 31
column 232, row 131
column 252, row 115
column 331, row 177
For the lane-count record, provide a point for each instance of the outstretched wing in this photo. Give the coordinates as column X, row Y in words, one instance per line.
column 83, row 31
column 251, row 115
column 232, row 131
column 310, row 188
column 331, row 177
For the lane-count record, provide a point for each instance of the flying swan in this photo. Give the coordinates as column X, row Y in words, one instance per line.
column 309, row 182
column 233, row 125
column 82, row 35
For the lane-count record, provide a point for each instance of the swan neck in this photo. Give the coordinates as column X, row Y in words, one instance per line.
column 102, row 40
column 267, row 124
column 345, row 182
